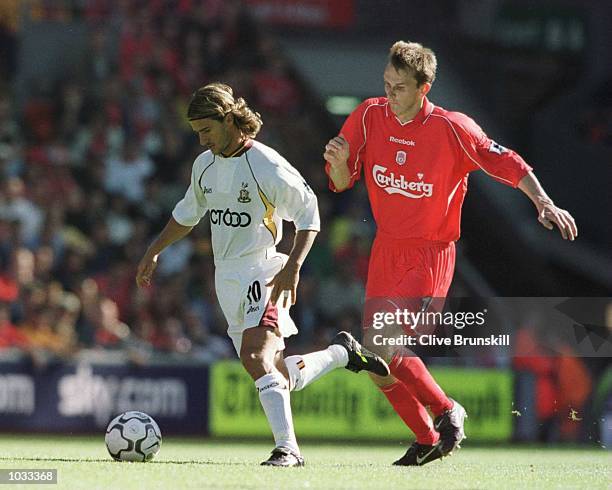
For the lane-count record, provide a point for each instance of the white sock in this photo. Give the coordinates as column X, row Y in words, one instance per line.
column 274, row 398
column 305, row 369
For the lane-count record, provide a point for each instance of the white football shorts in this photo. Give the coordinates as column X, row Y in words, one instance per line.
column 244, row 297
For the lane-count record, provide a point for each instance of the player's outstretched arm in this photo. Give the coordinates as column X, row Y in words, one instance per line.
column 337, row 155
column 548, row 213
column 172, row 232
column 288, row 277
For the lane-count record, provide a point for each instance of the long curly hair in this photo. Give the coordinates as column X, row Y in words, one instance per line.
column 216, row 100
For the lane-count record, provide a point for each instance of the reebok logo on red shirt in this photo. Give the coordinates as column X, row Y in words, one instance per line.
column 401, row 141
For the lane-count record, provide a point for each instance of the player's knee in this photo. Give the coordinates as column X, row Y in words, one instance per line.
column 382, row 350
column 382, row 381
column 256, row 364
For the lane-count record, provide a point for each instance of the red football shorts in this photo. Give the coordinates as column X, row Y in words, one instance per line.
column 407, row 275
column 410, row 269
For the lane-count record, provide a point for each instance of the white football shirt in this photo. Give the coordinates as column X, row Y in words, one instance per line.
column 246, row 198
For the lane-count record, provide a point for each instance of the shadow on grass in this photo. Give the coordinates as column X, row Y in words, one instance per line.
column 91, row 460
column 200, row 462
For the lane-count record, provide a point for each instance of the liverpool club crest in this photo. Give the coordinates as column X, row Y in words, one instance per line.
column 244, row 193
column 400, row 157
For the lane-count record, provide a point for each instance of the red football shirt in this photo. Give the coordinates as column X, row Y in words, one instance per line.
column 416, row 173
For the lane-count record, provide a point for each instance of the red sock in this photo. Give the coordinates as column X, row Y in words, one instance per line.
column 411, row 371
column 413, row 413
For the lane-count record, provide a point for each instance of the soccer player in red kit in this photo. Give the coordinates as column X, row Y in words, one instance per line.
column 416, row 158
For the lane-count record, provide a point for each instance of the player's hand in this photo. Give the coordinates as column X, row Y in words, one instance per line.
column 285, row 283
column 337, row 151
column 549, row 214
column 145, row 270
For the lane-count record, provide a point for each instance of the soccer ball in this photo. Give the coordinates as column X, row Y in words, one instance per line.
column 133, row 436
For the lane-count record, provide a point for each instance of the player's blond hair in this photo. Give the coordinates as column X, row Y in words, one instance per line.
column 416, row 59
column 216, row 100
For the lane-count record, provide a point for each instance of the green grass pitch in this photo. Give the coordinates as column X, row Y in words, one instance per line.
column 82, row 462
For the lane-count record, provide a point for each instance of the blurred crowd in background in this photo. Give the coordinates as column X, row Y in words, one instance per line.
column 92, row 166
column 596, row 124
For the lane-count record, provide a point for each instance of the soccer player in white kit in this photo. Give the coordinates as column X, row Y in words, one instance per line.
column 247, row 189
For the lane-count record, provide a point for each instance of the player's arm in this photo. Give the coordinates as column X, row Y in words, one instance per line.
column 548, row 213
column 337, row 153
column 186, row 214
column 508, row 167
column 171, row 233
column 343, row 152
column 288, row 277
column 295, row 202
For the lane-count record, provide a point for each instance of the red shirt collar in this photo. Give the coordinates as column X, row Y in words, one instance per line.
column 421, row 116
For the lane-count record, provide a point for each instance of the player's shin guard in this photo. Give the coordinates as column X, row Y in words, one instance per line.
column 413, row 373
column 307, row 368
column 413, row 413
column 274, row 397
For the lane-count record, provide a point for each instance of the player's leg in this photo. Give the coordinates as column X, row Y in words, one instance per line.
column 259, row 349
column 433, row 440
column 412, row 372
column 344, row 351
column 449, row 415
column 304, row 369
column 434, row 283
column 416, row 273
column 400, row 394
column 417, row 388
column 412, row 412
column 415, row 415
column 307, row 368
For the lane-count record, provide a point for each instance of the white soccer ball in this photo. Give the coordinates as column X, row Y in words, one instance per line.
column 133, row 436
